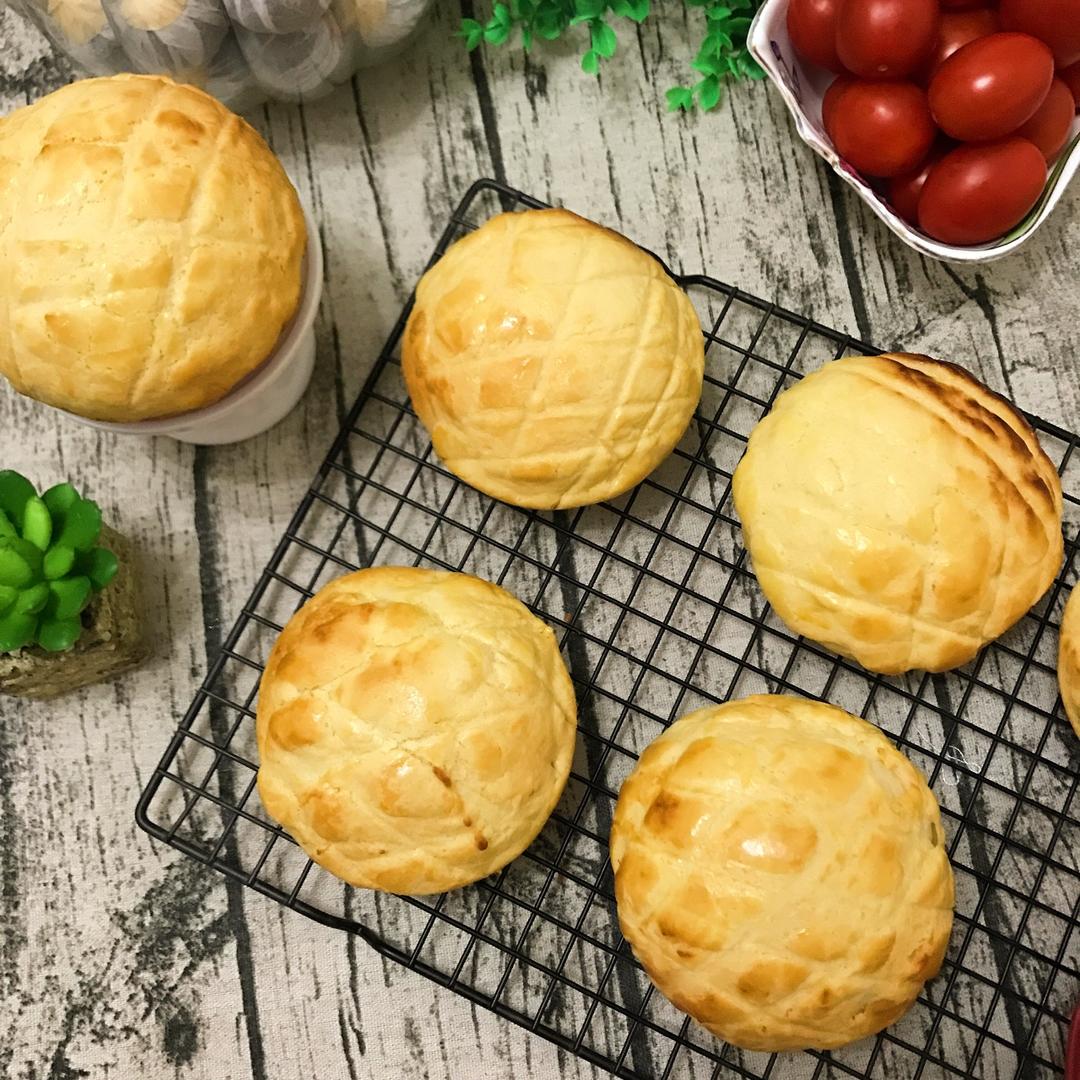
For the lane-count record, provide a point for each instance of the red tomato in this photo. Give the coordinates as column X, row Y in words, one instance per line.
column 978, row 193
column 812, row 26
column 882, row 128
column 1071, row 77
column 987, row 89
column 1057, row 22
column 957, row 29
column 832, row 95
column 1049, row 128
column 886, row 39
column 960, row 5
column 905, row 191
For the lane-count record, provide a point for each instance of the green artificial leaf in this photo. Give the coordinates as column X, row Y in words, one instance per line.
column 8, row 596
column 33, row 600
column 679, row 97
column 709, row 92
column 69, row 597
column 15, row 492
column 60, row 498
column 81, row 525
column 472, row 32
column 6, row 526
column 58, row 635
column 58, row 561
column 20, row 561
column 37, row 523
column 100, row 566
column 721, row 57
column 636, row 10
column 604, row 41
column 16, row 631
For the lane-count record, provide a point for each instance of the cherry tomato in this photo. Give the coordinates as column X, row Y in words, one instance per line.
column 1049, row 128
column 977, row 193
column 991, row 86
column 832, row 95
column 957, row 29
column 882, row 128
column 1071, row 77
column 960, row 5
column 886, row 39
column 812, row 26
column 905, row 191
column 1057, row 22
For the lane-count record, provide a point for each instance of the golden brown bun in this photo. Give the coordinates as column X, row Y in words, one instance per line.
column 899, row 512
column 554, row 363
column 415, row 729
column 780, row 873
column 150, row 248
column 1069, row 659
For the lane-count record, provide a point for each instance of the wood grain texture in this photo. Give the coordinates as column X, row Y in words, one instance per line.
column 121, row 958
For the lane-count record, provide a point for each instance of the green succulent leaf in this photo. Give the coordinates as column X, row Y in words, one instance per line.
column 37, row 523
column 15, row 492
column 68, row 597
column 16, row 631
column 59, row 499
column 20, row 562
column 58, row 562
column 58, row 635
column 33, row 600
column 50, row 562
column 100, row 566
column 81, row 525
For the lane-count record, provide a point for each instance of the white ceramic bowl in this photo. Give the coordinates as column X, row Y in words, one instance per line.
column 268, row 394
column 802, row 87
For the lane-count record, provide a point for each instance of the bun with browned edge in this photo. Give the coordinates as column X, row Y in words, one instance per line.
column 780, row 872
column 415, row 728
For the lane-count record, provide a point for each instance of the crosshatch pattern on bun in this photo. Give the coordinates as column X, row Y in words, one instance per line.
column 554, row 363
column 415, row 728
column 150, row 248
column 899, row 512
column 780, row 872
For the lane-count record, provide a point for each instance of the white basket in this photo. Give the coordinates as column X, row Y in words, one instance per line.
column 802, row 87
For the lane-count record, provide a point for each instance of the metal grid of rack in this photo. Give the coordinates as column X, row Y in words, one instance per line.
column 657, row 613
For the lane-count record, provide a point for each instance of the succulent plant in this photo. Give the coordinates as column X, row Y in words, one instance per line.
column 50, row 564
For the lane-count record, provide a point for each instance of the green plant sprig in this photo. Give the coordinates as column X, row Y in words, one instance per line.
column 50, row 564
column 721, row 57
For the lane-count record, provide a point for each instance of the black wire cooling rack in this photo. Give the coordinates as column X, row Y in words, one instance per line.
column 657, row 614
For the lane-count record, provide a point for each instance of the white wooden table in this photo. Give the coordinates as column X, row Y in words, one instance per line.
column 121, row 958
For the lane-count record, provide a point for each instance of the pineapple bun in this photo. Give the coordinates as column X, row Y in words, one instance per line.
column 150, row 249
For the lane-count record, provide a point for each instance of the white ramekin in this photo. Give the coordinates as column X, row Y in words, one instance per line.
column 268, row 394
column 802, row 88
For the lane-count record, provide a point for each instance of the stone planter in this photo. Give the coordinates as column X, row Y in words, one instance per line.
column 112, row 641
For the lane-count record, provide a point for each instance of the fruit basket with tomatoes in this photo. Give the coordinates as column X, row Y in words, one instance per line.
column 956, row 120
